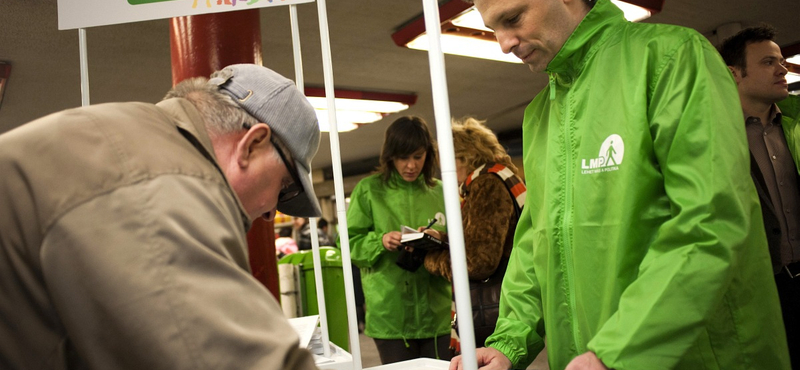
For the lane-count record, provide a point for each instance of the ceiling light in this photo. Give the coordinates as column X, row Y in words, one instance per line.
column 633, row 13
column 471, row 18
column 792, row 55
column 346, row 120
column 464, row 33
column 466, row 46
column 356, row 108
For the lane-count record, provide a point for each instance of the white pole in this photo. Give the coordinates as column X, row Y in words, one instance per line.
column 344, row 238
column 298, row 57
column 455, row 232
column 312, row 222
column 84, row 67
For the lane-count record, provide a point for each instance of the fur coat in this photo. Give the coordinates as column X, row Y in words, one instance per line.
column 488, row 219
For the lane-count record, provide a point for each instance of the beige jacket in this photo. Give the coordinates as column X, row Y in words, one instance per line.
column 122, row 246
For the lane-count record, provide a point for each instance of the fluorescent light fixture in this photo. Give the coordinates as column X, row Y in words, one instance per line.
column 633, row 13
column 364, row 105
column 470, row 18
column 464, row 33
column 795, row 59
column 345, row 120
column 466, row 46
column 356, row 108
column 792, row 77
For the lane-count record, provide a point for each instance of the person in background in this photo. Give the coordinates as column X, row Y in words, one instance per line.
column 492, row 198
column 773, row 133
column 284, row 244
column 407, row 313
column 640, row 246
column 322, row 224
column 124, row 228
column 303, row 234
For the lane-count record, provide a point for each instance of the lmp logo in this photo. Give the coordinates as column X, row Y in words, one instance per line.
column 609, row 159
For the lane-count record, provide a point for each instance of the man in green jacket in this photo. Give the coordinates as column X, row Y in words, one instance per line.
column 771, row 123
column 640, row 247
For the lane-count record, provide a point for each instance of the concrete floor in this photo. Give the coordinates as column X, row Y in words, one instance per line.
column 369, row 354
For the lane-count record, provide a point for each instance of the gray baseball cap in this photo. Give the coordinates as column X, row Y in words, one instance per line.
column 276, row 101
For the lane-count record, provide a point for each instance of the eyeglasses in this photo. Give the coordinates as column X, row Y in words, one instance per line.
column 294, row 189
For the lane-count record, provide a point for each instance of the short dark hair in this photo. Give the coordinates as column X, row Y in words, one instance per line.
column 403, row 137
column 733, row 49
column 322, row 223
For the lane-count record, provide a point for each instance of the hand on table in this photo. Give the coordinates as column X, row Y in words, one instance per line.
column 488, row 359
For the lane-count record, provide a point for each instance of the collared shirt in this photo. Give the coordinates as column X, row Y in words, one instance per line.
column 771, row 153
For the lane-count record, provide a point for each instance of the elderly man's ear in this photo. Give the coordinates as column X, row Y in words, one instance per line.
column 253, row 143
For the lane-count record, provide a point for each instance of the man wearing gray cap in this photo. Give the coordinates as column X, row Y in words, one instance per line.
column 123, row 242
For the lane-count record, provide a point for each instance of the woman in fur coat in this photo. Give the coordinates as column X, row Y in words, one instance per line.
column 492, row 196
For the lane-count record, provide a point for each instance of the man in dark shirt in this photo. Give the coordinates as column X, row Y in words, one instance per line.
column 760, row 73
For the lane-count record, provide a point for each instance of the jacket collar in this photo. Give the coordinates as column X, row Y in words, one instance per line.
column 188, row 119
column 588, row 37
column 397, row 180
column 191, row 125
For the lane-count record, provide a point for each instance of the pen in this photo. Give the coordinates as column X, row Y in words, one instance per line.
column 430, row 224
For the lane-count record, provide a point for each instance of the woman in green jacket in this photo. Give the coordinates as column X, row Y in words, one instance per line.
column 407, row 313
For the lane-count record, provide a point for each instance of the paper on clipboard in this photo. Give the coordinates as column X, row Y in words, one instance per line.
column 305, row 327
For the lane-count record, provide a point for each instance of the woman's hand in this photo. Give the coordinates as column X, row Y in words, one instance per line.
column 391, row 241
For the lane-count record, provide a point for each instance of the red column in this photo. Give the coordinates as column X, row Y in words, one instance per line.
column 200, row 45
column 263, row 262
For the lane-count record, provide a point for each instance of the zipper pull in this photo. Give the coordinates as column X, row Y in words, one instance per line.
column 552, row 86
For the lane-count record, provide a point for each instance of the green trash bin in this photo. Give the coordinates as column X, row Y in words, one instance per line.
column 333, row 283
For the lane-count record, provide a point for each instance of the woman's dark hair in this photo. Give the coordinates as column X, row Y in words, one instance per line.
column 403, row 137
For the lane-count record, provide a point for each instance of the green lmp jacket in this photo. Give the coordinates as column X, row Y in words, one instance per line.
column 400, row 304
column 642, row 238
column 790, row 112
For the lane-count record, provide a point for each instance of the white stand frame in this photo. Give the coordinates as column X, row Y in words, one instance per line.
column 449, row 179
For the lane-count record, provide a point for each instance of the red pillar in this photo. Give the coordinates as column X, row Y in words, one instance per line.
column 200, row 45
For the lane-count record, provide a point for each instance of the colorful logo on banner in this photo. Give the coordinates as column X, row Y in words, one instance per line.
column 194, row 2
column 139, row 2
